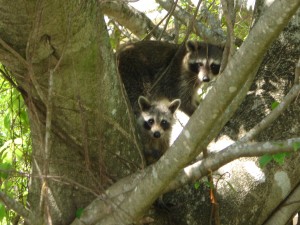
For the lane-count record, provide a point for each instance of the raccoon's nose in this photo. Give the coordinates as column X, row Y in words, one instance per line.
column 156, row 134
column 205, row 79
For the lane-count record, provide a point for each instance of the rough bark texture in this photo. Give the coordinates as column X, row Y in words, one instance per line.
column 90, row 122
column 89, row 143
column 257, row 192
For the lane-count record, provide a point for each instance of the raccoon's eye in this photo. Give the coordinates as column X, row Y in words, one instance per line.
column 165, row 124
column 147, row 126
column 194, row 67
column 215, row 68
column 150, row 121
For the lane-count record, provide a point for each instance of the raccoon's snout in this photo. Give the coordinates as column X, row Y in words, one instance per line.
column 203, row 76
column 156, row 134
column 205, row 79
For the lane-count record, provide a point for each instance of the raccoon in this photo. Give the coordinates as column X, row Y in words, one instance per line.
column 155, row 122
column 160, row 69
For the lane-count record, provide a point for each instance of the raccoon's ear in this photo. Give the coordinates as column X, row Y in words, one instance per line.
column 174, row 105
column 144, row 103
column 191, row 46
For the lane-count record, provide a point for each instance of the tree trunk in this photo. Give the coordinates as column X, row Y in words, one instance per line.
column 83, row 132
column 60, row 54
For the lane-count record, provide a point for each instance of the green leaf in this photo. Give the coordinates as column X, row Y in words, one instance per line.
column 24, row 117
column 264, row 160
column 296, row 146
column 197, row 185
column 5, row 169
column 7, row 121
column 231, row 187
column 19, row 154
column 209, row 184
column 79, row 213
column 274, row 105
column 279, row 158
column 2, row 212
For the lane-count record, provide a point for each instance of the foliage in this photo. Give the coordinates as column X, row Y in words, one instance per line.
column 210, row 14
column 278, row 158
column 274, row 105
column 15, row 146
column 79, row 212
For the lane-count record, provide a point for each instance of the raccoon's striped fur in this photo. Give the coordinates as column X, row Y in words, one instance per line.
column 155, row 121
column 159, row 69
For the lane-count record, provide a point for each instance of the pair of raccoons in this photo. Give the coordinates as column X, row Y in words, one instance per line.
column 169, row 76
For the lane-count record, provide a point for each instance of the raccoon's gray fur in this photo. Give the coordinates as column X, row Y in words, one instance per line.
column 155, row 121
column 160, row 69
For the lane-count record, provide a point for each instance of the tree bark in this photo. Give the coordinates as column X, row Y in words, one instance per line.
column 83, row 132
column 81, row 126
column 160, row 174
column 137, row 22
column 246, row 193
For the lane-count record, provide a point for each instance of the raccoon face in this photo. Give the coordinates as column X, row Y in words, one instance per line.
column 203, row 60
column 156, row 127
column 156, row 118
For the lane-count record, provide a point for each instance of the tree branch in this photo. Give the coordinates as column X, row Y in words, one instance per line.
column 286, row 210
column 14, row 53
column 184, row 178
column 297, row 72
column 122, row 189
column 215, row 161
column 28, row 216
column 132, row 19
column 202, row 126
column 215, row 36
column 273, row 115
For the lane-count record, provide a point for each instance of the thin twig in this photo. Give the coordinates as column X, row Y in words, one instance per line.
column 275, row 113
column 10, row 203
column 47, row 149
column 192, row 22
column 200, row 29
column 297, row 72
column 7, row 77
column 84, row 131
column 229, row 46
column 168, row 16
column 14, row 53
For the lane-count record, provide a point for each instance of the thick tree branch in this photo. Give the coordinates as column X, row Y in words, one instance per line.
column 183, row 178
column 202, row 126
column 286, row 210
column 132, row 19
column 215, row 161
column 124, row 187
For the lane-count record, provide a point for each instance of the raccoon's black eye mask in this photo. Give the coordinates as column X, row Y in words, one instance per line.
column 195, row 67
column 148, row 124
column 215, row 68
column 165, row 124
